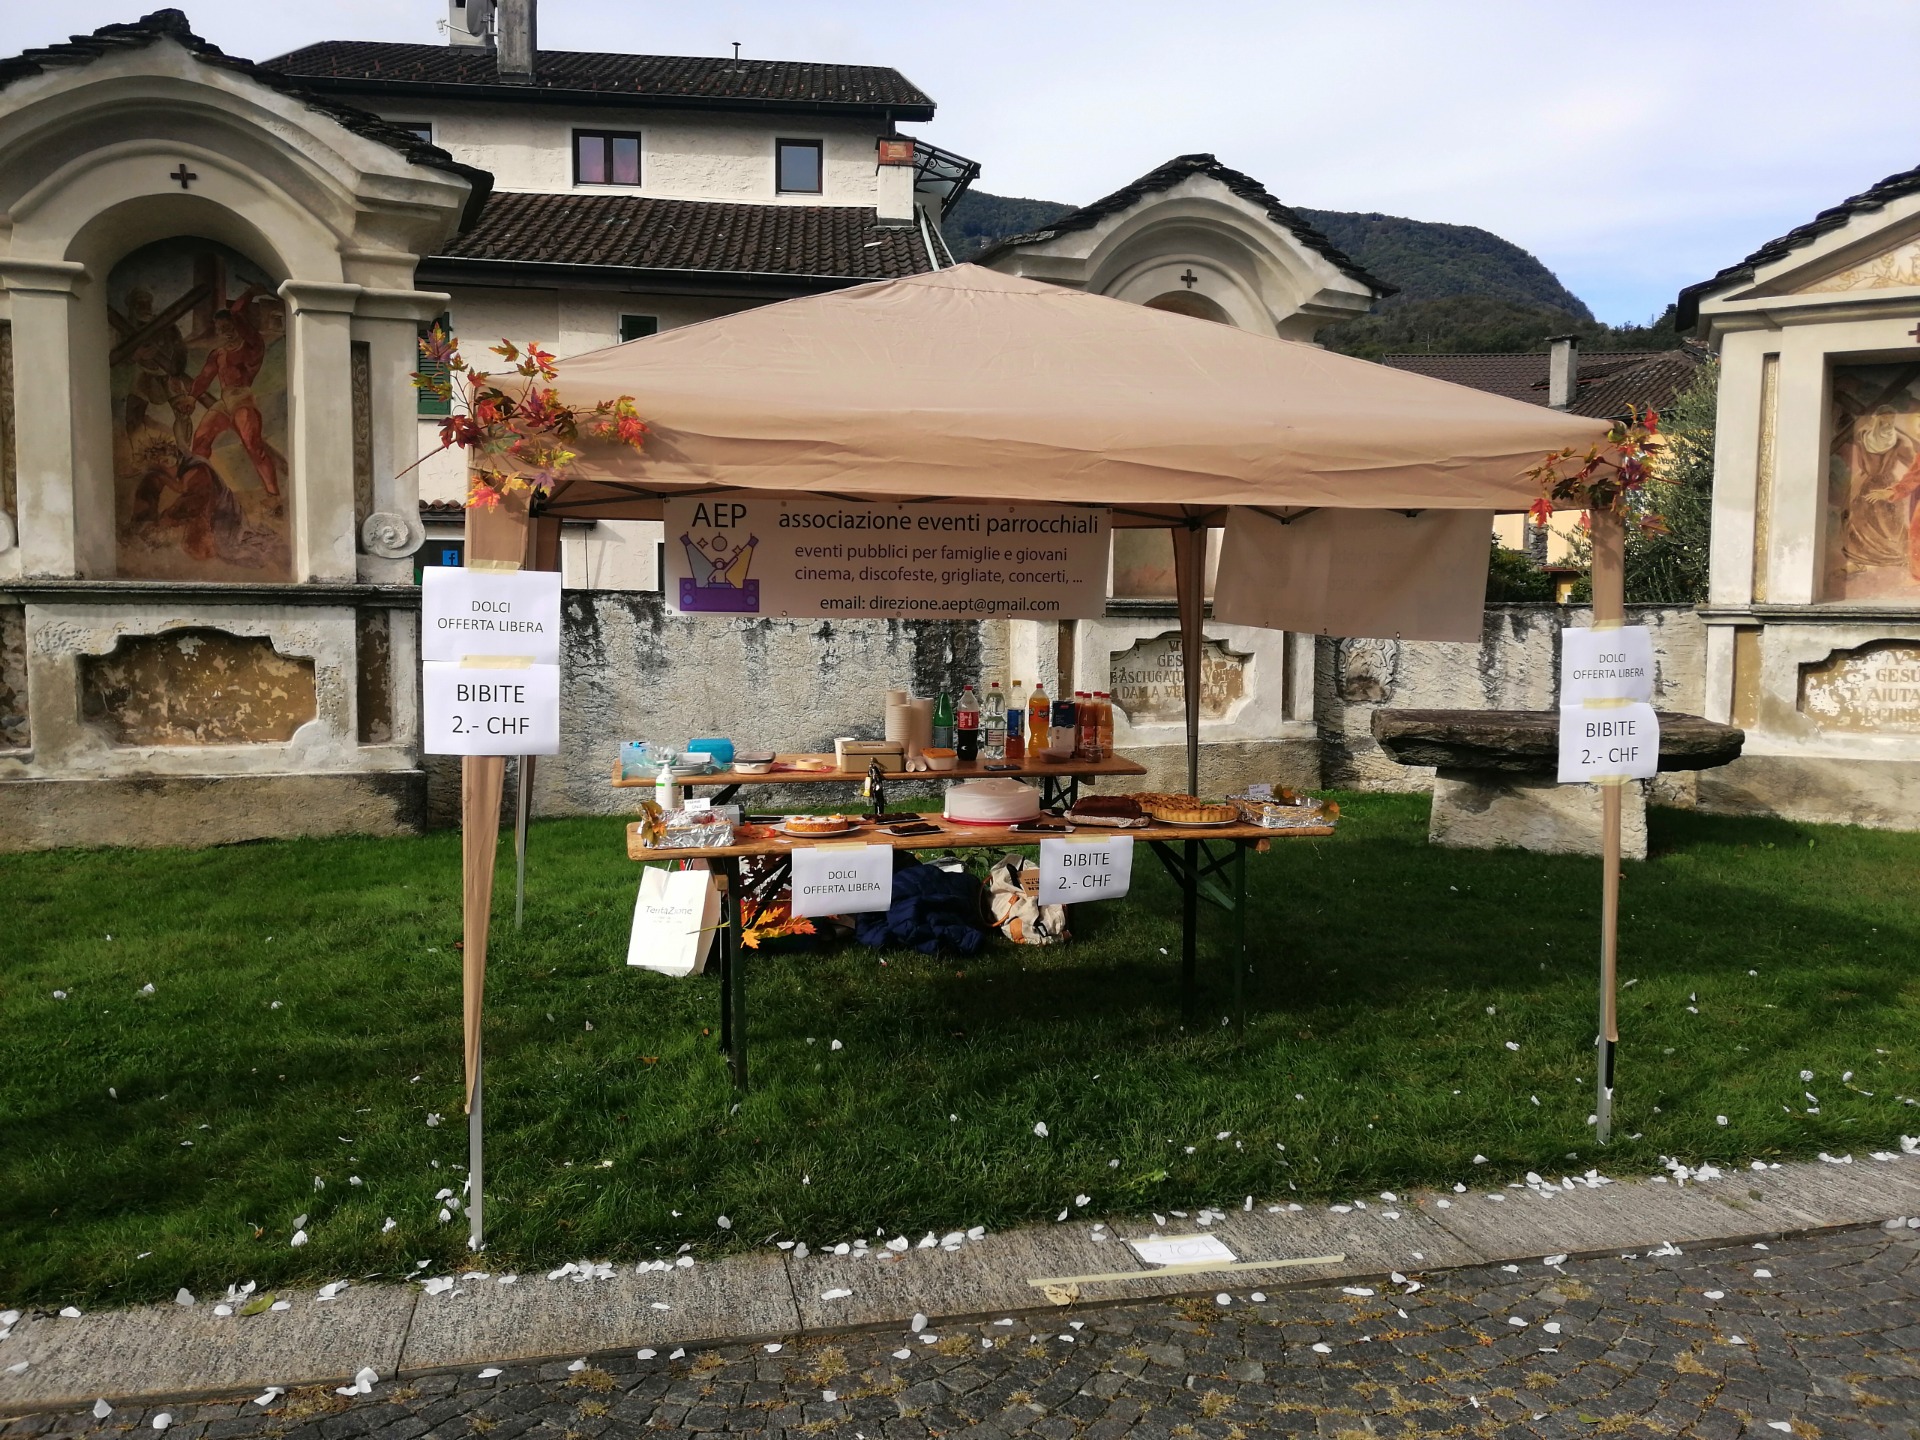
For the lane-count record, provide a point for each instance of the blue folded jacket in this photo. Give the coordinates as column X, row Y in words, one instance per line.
column 933, row 909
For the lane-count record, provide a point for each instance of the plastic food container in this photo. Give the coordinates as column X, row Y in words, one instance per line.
column 940, row 758
column 999, row 801
column 720, row 749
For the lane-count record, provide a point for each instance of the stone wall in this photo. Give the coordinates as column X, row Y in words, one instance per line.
column 632, row 670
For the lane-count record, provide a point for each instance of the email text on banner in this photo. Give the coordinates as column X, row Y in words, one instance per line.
column 1075, row 870
column 842, row 880
column 806, row 557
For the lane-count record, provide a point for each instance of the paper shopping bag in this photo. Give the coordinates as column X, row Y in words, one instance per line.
column 673, row 921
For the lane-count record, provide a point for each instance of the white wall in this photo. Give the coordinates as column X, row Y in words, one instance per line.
column 683, row 155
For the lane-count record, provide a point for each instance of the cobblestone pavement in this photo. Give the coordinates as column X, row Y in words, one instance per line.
column 1818, row 1336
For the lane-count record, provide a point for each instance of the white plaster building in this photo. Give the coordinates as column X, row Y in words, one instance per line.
column 1814, row 608
column 636, row 193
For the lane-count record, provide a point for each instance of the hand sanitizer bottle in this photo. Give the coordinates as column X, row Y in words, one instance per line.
column 666, row 789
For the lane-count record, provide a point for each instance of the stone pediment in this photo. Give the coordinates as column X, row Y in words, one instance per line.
column 1897, row 267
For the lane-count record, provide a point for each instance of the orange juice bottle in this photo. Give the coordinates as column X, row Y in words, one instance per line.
column 1039, row 714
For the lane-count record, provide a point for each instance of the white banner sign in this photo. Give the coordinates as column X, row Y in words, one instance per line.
column 1075, row 870
column 1616, row 742
column 469, row 711
column 753, row 555
column 673, row 921
column 489, row 612
column 1606, row 664
column 842, row 880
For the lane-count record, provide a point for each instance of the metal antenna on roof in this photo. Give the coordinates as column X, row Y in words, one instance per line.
column 736, row 49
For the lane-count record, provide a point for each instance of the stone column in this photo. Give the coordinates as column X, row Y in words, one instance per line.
column 42, row 296
column 388, row 321
column 320, row 428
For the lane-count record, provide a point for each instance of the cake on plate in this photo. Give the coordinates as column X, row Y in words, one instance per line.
column 1186, row 809
column 818, row 824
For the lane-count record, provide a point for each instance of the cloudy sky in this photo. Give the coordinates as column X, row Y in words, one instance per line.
column 1633, row 146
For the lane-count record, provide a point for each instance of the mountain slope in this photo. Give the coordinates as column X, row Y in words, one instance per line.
column 1431, row 261
column 980, row 219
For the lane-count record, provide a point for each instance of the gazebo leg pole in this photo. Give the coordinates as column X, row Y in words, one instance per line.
column 523, row 784
column 476, row 1172
column 1609, row 610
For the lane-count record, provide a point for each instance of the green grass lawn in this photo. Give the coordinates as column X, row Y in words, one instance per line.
column 304, row 1027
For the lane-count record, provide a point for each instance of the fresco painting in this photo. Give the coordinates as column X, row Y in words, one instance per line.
column 1873, row 478
column 199, row 388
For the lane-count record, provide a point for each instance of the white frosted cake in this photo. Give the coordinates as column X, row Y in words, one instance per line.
column 999, row 801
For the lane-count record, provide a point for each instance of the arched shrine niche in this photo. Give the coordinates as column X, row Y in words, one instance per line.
column 1182, row 302
column 199, row 413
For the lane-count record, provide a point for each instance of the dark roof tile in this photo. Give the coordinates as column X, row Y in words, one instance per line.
column 1175, row 171
column 173, row 25
column 1609, row 380
column 673, row 78
column 1873, row 198
column 637, row 232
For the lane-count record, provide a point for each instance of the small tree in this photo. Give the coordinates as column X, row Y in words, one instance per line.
column 1669, row 567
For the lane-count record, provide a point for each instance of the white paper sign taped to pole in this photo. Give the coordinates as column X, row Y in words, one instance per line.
column 1612, row 664
column 471, row 711
column 1073, row 871
column 489, row 612
column 842, row 879
column 1608, row 743
column 673, row 921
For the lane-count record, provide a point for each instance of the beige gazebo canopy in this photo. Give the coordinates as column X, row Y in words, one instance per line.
column 967, row 384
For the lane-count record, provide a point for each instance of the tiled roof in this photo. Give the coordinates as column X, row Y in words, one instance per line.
column 172, row 25
column 1174, row 172
column 1875, row 197
column 639, row 233
column 676, row 79
column 1609, row 380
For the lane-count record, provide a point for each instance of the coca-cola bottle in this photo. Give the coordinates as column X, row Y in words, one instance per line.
column 966, row 725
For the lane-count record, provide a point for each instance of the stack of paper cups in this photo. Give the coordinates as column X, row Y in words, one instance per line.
column 922, row 735
column 899, row 697
column 900, row 722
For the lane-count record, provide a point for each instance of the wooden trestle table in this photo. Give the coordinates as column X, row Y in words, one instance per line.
column 1195, row 857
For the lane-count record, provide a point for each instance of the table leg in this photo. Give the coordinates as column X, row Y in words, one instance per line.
column 1240, row 935
column 1189, row 927
column 730, row 921
column 723, row 944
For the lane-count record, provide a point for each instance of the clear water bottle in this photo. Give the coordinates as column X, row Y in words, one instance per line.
column 993, row 725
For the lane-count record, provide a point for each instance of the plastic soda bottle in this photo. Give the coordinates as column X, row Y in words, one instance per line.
column 993, row 724
column 943, row 721
column 1017, row 722
column 1106, row 723
column 1087, row 743
column 966, row 724
column 1039, row 717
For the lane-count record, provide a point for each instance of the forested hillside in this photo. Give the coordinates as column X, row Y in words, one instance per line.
column 1463, row 290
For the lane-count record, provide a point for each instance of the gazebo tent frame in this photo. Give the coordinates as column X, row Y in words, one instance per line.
column 692, row 453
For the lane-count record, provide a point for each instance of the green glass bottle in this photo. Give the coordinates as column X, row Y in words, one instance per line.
column 943, row 721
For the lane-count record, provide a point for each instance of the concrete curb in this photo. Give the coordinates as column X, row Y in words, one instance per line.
column 175, row 1352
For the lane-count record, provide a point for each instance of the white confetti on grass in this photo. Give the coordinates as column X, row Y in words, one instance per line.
column 1040, row 1128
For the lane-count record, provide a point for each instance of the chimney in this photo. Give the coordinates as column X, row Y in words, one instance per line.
column 469, row 22
column 517, row 42
column 1563, row 370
